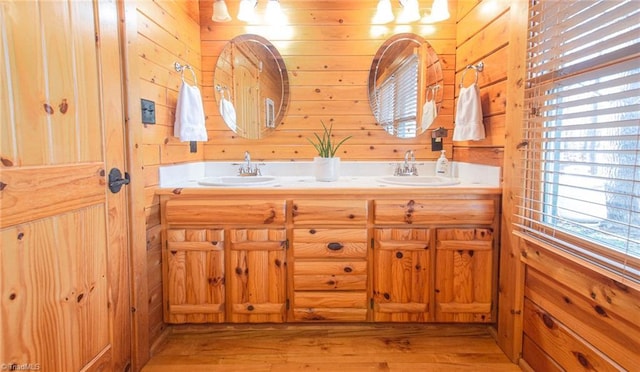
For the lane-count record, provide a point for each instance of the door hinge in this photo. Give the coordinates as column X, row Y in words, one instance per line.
column 372, row 243
column 287, row 304
column 371, row 303
column 286, row 244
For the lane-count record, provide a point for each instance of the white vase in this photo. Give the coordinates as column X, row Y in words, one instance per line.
column 326, row 169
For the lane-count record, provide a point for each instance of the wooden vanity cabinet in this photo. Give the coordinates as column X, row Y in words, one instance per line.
column 463, row 260
column 224, row 260
column 401, row 274
column 293, row 258
column 330, row 269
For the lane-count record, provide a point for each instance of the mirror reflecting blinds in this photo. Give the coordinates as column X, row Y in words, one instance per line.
column 396, row 103
column 581, row 188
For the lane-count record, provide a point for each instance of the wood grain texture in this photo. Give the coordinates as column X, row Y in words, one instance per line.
column 328, row 54
column 195, row 264
column 328, row 347
column 343, row 212
column 423, row 211
column 597, row 310
column 203, row 211
column 402, row 275
column 65, row 263
column 54, row 286
column 464, row 274
column 257, row 276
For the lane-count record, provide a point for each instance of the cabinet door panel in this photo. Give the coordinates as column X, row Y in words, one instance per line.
column 464, row 271
column 402, row 261
column 195, row 273
column 257, row 291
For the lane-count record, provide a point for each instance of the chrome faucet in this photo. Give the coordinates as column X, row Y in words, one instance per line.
column 408, row 168
column 248, row 169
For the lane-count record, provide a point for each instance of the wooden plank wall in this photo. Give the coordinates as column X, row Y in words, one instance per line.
column 160, row 33
column 483, row 28
column 328, row 48
column 576, row 318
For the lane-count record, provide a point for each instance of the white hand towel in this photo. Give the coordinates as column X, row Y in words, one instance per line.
column 429, row 114
column 228, row 113
column 190, row 122
column 469, row 125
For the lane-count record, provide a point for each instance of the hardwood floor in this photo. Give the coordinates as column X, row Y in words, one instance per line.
column 342, row 347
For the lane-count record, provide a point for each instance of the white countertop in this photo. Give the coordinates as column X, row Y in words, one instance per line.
column 299, row 175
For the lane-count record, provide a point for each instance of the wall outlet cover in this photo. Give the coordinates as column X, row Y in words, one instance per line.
column 148, row 109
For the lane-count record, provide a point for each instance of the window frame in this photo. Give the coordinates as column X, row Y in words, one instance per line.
column 530, row 216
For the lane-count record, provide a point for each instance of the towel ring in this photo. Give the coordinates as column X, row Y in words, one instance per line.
column 180, row 68
column 476, row 68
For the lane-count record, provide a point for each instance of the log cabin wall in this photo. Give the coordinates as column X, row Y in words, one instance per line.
column 328, row 53
column 576, row 317
column 158, row 34
column 555, row 313
column 483, row 36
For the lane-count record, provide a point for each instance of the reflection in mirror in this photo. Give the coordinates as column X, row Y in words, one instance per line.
column 405, row 85
column 251, row 86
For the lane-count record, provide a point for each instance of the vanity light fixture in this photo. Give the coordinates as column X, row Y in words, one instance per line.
column 246, row 12
column 384, row 13
column 220, row 11
column 410, row 11
column 439, row 12
column 274, row 14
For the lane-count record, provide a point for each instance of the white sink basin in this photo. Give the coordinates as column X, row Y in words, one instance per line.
column 237, row 181
column 419, row 180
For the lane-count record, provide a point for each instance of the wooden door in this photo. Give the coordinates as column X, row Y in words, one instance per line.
column 401, row 275
column 464, row 275
column 195, row 276
column 257, row 275
column 64, row 301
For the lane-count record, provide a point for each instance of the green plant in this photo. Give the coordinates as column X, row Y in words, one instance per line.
column 324, row 146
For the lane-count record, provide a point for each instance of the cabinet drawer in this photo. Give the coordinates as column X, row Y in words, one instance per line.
column 330, row 275
column 354, row 267
column 330, row 282
column 329, row 243
column 443, row 212
column 327, row 299
column 352, row 212
column 202, row 211
column 330, row 315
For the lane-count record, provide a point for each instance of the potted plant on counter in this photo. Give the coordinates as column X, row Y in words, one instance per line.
column 327, row 165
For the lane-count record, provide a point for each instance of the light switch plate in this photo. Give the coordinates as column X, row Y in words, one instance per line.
column 148, row 109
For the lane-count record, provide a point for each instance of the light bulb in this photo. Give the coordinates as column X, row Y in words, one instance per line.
column 220, row 12
column 410, row 11
column 439, row 11
column 274, row 14
column 246, row 12
column 384, row 13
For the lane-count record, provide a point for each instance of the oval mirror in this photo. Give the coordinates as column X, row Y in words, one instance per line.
column 251, row 86
column 405, row 85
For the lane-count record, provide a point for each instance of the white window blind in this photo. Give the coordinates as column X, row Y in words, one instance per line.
column 396, row 104
column 581, row 170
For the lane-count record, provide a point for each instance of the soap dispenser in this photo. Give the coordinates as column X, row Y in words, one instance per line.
column 442, row 165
